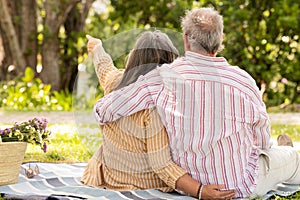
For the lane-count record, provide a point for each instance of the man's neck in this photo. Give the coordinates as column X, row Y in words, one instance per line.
column 204, row 53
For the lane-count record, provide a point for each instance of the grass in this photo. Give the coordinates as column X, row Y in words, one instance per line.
column 292, row 130
column 68, row 145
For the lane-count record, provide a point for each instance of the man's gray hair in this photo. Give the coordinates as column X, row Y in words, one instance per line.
column 204, row 29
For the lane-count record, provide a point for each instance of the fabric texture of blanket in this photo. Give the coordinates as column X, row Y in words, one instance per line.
column 62, row 181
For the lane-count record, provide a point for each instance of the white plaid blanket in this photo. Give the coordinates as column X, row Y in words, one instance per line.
column 62, row 181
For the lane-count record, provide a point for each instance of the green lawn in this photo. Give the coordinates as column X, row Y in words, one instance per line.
column 67, row 144
column 292, row 130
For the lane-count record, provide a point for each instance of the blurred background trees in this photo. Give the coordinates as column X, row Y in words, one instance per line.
column 262, row 37
column 48, row 36
column 46, row 30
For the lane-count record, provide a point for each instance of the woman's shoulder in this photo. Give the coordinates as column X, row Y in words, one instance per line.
column 146, row 118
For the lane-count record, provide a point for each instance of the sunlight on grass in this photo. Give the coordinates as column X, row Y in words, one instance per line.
column 292, row 130
column 67, row 145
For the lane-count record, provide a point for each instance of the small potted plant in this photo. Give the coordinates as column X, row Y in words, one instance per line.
column 13, row 142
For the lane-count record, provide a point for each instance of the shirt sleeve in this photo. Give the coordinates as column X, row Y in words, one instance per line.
column 261, row 129
column 158, row 150
column 261, row 126
column 108, row 75
column 260, row 118
column 130, row 99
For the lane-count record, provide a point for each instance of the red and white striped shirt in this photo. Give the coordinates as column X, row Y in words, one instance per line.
column 213, row 113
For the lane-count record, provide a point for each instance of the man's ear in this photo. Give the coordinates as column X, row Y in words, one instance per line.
column 187, row 46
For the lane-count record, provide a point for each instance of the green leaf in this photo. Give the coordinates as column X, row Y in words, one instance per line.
column 29, row 75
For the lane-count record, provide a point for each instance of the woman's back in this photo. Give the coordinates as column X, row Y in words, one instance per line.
column 135, row 152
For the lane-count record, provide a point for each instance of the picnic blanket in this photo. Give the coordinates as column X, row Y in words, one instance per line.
column 62, row 181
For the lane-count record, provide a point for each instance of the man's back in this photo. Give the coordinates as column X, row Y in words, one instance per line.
column 215, row 118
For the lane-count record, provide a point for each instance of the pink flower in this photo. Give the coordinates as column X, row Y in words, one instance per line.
column 284, row 80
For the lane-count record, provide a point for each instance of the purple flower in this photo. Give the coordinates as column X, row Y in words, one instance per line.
column 32, row 131
column 7, row 130
column 44, row 123
column 45, row 120
column 44, row 147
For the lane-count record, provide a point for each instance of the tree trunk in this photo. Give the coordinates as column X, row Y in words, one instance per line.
column 24, row 20
column 7, row 58
column 28, row 41
column 2, row 54
column 74, row 24
column 56, row 14
column 9, row 35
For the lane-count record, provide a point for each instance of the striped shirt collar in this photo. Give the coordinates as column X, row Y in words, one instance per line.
column 196, row 57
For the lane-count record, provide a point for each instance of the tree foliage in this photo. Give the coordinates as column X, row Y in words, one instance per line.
column 262, row 37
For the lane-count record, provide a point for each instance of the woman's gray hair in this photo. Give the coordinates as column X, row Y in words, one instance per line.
column 204, row 29
column 152, row 49
column 155, row 40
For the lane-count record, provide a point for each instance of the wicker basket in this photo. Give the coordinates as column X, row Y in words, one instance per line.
column 11, row 158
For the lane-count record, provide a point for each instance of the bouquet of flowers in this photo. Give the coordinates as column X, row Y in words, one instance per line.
column 33, row 131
